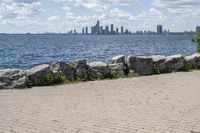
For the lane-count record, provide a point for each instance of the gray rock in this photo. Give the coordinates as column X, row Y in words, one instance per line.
column 81, row 68
column 12, row 78
column 117, row 69
column 174, row 63
column 41, row 75
column 118, row 59
column 141, row 64
column 192, row 61
column 63, row 69
column 159, row 63
column 82, row 64
column 101, row 67
column 94, row 74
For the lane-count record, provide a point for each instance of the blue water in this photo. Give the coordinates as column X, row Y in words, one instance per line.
column 25, row 51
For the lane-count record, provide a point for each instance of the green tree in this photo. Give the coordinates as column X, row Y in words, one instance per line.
column 197, row 40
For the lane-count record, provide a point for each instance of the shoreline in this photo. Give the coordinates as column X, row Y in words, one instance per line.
column 81, row 70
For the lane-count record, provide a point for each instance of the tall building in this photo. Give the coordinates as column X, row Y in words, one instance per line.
column 107, row 30
column 75, row 31
column 122, row 30
column 101, row 29
column 159, row 29
column 92, row 30
column 112, row 29
column 197, row 28
column 126, row 32
column 86, row 30
column 117, row 31
column 83, row 31
column 98, row 28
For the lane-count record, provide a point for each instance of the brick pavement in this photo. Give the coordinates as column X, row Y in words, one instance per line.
column 167, row 103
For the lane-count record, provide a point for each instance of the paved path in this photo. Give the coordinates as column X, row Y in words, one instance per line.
column 155, row 104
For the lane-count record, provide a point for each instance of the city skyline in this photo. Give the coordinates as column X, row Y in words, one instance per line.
column 60, row 16
column 99, row 29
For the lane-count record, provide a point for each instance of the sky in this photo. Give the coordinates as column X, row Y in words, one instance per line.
column 39, row 16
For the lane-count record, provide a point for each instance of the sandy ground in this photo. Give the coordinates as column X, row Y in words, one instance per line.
column 168, row 103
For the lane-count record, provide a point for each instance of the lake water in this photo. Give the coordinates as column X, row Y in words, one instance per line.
column 25, row 51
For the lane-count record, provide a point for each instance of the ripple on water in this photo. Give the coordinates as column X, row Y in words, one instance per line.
column 25, row 51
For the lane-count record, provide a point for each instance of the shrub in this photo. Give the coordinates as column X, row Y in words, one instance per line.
column 197, row 40
column 48, row 79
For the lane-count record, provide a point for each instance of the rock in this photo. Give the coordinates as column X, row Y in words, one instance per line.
column 118, row 59
column 117, row 70
column 12, row 78
column 82, row 64
column 81, row 69
column 94, row 74
column 159, row 63
column 41, row 75
column 141, row 65
column 174, row 63
column 63, row 69
column 101, row 67
column 192, row 61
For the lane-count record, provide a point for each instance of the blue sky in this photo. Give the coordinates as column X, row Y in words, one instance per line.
column 22, row 16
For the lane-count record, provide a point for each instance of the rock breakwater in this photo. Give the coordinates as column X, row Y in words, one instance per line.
column 80, row 70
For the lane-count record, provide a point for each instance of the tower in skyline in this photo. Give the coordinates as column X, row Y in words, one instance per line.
column 159, row 29
column 107, row 30
column 122, row 30
column 83, row 31
column 86, row 30
column 117, row 31
column 112, row 29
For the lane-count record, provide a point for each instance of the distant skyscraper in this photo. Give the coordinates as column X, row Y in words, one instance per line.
column 101, row 29
column 83, row 31
column 126, row 32
column 97, row 28
column 92, row 30
column 197, row 28
column 86, row 30
column 98, row 23
column 122, row 30
column 112, row 29
column 117, row 31
column 159, row 29
column 107, row 30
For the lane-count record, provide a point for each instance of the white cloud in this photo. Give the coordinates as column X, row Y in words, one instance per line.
column 180, row 7
column 96, row 5
column 11, row 9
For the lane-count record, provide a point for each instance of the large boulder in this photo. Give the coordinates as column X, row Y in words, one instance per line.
column 174, row 63
column 94, row 74
column 117, row 70
column 41, row 75
column 118, row 59
column 81, row 68
column 12, row 78
column 100, row 67
column 141, row 65
column 159, row 63
column 63, row 69
column 82, row 64
column 192, row 61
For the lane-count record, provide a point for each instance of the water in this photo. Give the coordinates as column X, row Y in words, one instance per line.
column 25, row 51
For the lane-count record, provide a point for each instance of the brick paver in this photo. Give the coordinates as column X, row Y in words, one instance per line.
column 155, row 104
